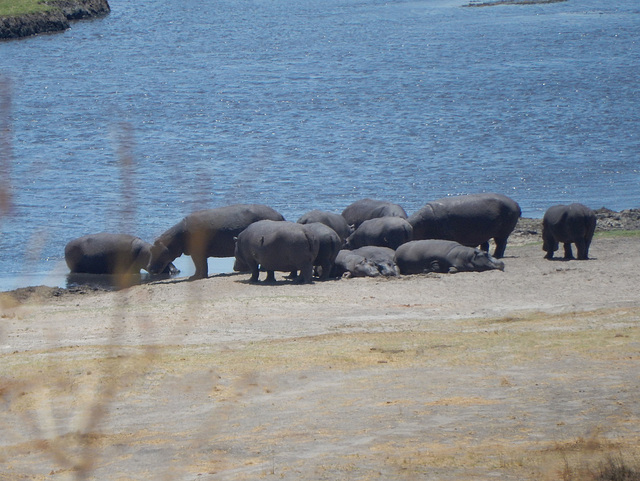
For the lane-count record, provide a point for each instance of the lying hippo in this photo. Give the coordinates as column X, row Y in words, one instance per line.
column 436, row 255
column 349, row 264
column 207, row 233
column 335, row 221
column 383, row 231
column 470, row 220
column 382, row 258
column 106, row 253
column 277, row 246
column 574, row 223
column 365, row 209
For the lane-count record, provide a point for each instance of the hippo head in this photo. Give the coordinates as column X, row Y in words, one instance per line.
column 388, row 269
column 160, row 258
column 365, row 268
column 483, row 261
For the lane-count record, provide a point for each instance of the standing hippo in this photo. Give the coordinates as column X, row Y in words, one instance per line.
column 106, row 253
column 436, row 255
column 365, row 209
column 470, row 220
column 207, row 233
column 335, row 221
column 382, row 257
column 383, row 231
column 277, row 246
column 574, row 223
column 329, row 244
column 349, row 264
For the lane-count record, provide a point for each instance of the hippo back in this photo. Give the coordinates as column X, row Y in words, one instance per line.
column 277, row 245
column 208, row 233
column 107, row 253
column 215, row 230
column 330, row 219
column 365, row 209
column 568, row 223
column 470, row 219
column 382, row 231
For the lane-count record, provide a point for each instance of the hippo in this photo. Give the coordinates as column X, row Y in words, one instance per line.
column 106, row 253
column 348, row 264
column 365, row 209
column 329, row 244
column 207, row 233
column 335, row 221
column 383, row 231
column 382, row 257
column 435, row 255
column 470, row 220
column 574, row 223
column 277, row 246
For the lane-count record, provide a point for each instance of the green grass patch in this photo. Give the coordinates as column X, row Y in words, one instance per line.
column 10, row 8
column 618, row 233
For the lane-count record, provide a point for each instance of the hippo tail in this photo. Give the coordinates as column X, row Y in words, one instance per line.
column 313, row 243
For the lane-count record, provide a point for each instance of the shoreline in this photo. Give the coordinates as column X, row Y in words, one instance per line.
column 528, row 230
column 57, row 19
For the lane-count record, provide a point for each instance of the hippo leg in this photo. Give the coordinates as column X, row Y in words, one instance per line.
column 306, row 275
column 202, row 269
column 255, row 272
column 485, row 246
column 271, row 277
column 568, row 254
column 325, row 269
column 549, row 245
column 583, row 250
column 501, row 246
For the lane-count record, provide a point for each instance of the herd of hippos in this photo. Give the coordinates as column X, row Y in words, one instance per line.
column 370, row 238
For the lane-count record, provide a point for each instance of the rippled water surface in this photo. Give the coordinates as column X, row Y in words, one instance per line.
column 130, row 122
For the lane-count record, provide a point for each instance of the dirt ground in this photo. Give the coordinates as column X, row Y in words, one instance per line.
column 528, row 374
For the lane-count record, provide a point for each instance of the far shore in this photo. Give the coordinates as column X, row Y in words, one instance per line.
column 56, row 18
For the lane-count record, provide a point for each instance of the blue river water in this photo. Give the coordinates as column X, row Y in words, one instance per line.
column 130, row 122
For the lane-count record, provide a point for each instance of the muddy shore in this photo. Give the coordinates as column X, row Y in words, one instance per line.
column 531, row 373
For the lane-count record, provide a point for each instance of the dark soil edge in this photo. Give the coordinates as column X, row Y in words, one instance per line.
column 57, row 19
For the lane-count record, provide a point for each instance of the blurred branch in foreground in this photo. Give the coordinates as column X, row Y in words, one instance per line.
column 6, row 154
column 125, row 142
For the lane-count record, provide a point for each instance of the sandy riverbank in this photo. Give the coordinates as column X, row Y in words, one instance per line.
column 514, row 375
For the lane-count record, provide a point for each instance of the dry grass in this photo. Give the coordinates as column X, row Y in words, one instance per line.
column 273, row 395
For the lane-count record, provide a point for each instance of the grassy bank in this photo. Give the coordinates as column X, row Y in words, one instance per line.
column 23, row 18
column 22, row 7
